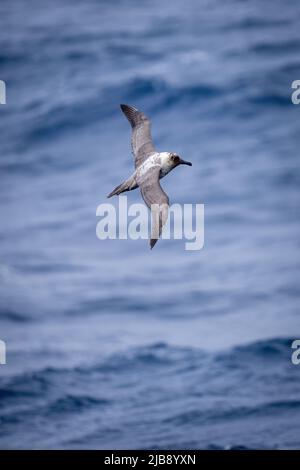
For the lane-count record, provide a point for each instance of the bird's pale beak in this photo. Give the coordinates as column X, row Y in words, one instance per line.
column 184, row 162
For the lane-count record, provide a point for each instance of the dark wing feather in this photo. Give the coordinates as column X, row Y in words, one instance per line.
column 157, row 200
column 141, row 140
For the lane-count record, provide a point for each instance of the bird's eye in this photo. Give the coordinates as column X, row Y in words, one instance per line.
column 176, row 159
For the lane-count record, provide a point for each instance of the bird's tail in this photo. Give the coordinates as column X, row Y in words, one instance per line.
column 127, row 185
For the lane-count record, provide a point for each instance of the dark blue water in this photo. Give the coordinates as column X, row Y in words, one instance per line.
column 109, row 344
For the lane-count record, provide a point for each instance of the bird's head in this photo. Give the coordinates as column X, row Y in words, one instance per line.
column 177, row 160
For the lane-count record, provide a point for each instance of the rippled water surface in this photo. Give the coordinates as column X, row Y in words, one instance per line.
column 109, row 344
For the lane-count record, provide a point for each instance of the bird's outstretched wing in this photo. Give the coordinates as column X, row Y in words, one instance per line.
column 141, row 140
column 156, row 199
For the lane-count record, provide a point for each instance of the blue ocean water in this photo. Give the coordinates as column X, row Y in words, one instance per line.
column 109, row 344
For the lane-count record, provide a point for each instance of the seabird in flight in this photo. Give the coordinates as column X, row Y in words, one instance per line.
column 150, row 167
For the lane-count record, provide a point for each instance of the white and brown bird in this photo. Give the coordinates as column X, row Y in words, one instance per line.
column 150, row 167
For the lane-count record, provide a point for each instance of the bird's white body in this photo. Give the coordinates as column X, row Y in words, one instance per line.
column 160, row 159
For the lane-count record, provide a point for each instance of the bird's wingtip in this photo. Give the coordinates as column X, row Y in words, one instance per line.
column 152, row 243
column 130, row 112
column 127, row 107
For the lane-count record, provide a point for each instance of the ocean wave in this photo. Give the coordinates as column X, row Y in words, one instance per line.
column 193, row 402
column 101, row 336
